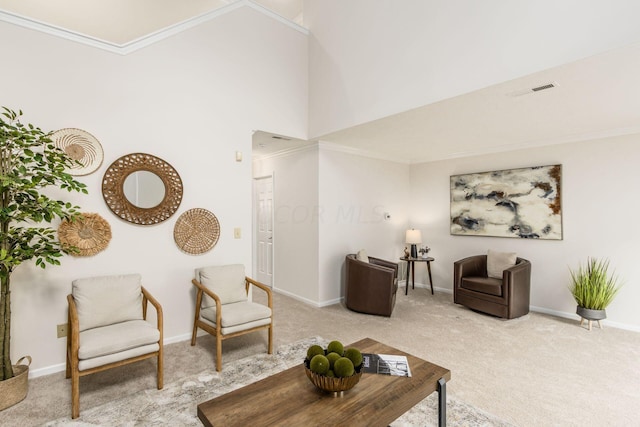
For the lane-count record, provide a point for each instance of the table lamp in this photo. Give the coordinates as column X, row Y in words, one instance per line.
column 413, row 238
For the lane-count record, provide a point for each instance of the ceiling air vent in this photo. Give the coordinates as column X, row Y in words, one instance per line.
column 280, row 137
column 543, row 87
column 539, row 88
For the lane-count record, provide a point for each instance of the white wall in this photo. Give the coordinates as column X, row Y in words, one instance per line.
column 193, row 100
column 355, row 192
column 329, row 203
column 599, row 202
column 370, row 59
column 295, row 228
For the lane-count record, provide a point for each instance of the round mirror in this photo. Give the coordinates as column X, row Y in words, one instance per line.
column 142, row 189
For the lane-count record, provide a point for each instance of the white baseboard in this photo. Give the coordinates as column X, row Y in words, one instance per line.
column 47, row 370
column 402, row 284
column 543, row 310
column 308, row 301
column 575, row 317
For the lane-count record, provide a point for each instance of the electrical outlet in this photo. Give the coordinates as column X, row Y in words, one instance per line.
column 237, row 233
column 62, row 330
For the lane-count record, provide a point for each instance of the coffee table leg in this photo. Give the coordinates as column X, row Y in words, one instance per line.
column 442, row 402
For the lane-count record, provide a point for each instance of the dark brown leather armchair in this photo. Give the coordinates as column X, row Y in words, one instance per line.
column 371, row 287
column 507, row 297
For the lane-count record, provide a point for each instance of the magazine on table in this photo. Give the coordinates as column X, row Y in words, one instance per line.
column 386, row 364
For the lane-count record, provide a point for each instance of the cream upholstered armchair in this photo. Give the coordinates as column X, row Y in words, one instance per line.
column 224, row 307
column 108, row 328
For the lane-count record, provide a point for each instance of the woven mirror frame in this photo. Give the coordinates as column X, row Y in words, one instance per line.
column 113, row 185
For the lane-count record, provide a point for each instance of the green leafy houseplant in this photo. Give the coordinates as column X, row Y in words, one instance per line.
column 29, row 162
column 592, row 286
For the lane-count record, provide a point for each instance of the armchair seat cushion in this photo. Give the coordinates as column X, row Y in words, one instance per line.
column 485, row 285
column 95, row 362
column 116, row 338
column 238, row 313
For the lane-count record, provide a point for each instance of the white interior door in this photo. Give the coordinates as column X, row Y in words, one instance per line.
column 264, row 235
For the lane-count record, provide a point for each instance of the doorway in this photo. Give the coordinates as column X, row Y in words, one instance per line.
column 264, row 243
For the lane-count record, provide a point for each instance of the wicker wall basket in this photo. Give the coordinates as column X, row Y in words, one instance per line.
column 89, row 235
column 15, row 389
column 196, row 231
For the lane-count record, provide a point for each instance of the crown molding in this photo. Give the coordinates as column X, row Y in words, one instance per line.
column 270, row 13
column 332, row 146
column 147, row 40
column 286, row 152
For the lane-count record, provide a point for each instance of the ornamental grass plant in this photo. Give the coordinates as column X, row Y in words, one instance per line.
column 592, row 286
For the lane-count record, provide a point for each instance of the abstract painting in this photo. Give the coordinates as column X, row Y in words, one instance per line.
column 523, row 203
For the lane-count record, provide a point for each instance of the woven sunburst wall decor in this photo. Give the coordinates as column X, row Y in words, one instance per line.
column 90, row 234
column 81, row 146
column 196, row 231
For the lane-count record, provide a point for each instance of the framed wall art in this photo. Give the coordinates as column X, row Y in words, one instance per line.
column 521, row 203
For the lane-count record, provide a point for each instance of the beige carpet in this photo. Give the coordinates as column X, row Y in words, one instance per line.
column 534, row 371
column 176, row 404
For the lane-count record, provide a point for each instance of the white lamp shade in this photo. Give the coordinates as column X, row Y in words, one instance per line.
column 413, row 237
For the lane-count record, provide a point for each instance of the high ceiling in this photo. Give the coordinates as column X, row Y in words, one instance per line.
column 594, row 97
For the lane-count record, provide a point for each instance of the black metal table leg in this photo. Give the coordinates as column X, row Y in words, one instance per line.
column 413, row 276
column 430, row 279
column 442, row 402
column 406, row 287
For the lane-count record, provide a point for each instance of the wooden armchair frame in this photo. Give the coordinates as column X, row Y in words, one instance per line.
column 73, row 345
column 216, row 330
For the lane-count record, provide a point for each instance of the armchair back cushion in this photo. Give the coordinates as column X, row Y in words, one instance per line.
column 362, row 256
column 226, row 281
column 103, row 301
column 497, row 262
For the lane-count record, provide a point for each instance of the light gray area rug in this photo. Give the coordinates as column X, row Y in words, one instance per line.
column 176, row 404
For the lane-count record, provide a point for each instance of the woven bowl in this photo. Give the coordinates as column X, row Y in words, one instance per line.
column 331, row 384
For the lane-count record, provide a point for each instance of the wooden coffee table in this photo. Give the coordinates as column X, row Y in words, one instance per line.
column 288, row 397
